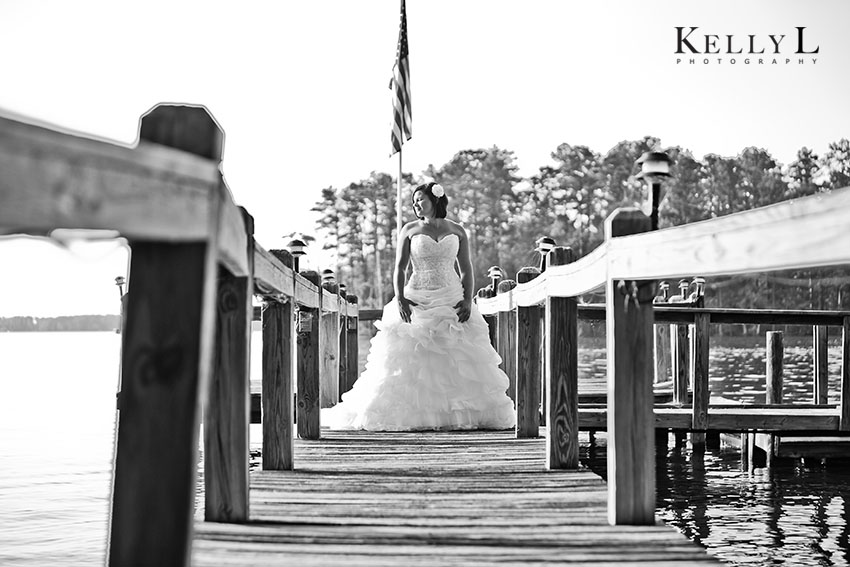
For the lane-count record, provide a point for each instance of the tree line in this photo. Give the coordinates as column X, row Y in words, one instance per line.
column 568, row 200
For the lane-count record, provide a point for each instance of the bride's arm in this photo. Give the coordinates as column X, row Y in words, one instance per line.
column 401, row 261
column 467, row 276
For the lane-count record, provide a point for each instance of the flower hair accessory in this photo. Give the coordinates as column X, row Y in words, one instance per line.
column 437, row 190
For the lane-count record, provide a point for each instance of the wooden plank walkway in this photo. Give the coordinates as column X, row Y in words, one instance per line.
column 428, row 499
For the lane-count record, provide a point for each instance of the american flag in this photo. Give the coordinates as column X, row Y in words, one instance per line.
column 400, row 85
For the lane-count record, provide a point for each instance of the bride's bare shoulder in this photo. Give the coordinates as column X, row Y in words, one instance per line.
column 457, row 228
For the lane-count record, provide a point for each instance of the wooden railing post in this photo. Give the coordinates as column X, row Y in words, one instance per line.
column 308, row 364
column 528, row 344
column 773, row 378
column 277, row 379
column 507, row 340
column 631, row 421
column 227, row 416
column 699, row 371
column 844, row 403
column 561, row 332
column 329, row 369
column 167, row 349
column 352, row 347
column 342, row 341
column 820, row 393
column 493, row 330
column 679, row 359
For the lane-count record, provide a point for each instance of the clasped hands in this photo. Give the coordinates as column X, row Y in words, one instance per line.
column 464, row 307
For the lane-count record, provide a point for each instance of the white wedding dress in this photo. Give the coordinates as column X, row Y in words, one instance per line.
column 431, row 373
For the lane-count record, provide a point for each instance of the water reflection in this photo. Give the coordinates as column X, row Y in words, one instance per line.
column 795, row 513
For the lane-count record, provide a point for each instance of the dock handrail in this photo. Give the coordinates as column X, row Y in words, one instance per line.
column 801, row 233
column 195, row 267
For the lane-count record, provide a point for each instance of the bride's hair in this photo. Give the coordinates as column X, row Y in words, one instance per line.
column 440, row 203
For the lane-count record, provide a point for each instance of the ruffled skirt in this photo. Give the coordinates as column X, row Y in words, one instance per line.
column 433, row 373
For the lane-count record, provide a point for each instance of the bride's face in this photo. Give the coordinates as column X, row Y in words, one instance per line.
column 422, row 205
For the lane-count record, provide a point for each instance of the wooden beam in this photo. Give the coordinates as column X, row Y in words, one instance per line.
column 329, row 363
column 156, row 458
column 844, row 404
column 528, row 345
column 699, row 370
column 782, row 236
column 53, row 179
column 820, row 364
column 352, row 345
column 278, row 352
column 507, row 339
column 561, row 335
column 631, row 454
column 308, row 364
column 271, row 275
column 277, row 385
column 726, row 316
column 167, row 355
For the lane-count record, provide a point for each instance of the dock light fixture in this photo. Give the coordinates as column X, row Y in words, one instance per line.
column 119, row 281
column 328, row 277
column 296, row 248
column 654, row 167
column 543, row 245
column 495, row 275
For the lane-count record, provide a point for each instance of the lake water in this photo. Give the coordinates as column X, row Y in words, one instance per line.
column 57, row 414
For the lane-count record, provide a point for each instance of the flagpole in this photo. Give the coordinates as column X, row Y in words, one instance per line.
column 398, row 203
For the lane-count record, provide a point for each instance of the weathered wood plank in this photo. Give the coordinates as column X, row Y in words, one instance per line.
column 679, row 357
column 277, row 385
column 699, row 370
column 844, row 404
column 352, row 345
column 507, row 348
column 561, row 334
column 161, row 381
column 54, row 179
column 329, row 363
column 630, row 338
column 528, row 355
column 820, row 364
column 670, row 313
column 271, row 275
column 308, row 365
column 800, row 233
column 401, row 499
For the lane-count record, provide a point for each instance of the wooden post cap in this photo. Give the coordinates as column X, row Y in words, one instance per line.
column 190, row 128
column 559, row 256
column 625, row 221
column 527, row 274
column 284, row 256
column 506, row 285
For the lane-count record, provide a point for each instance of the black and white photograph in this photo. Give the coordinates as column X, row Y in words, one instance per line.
column 425, row 283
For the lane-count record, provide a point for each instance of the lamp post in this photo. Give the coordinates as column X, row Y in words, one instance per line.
column 495, row 275
column 296, row 248
column 544, row 244
column 654, row 167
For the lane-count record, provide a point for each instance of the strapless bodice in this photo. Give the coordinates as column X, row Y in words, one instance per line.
column 433, row 261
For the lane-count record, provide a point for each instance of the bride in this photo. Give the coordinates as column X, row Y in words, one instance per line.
column 430, row 365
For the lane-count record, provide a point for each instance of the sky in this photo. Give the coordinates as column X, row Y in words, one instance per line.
column 301, row 91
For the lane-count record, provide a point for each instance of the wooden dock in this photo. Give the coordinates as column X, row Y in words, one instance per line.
column 416, row 499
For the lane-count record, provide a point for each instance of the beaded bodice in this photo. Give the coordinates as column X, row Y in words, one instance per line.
column 433, row 261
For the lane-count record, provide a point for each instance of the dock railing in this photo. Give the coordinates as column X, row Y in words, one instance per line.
column 801, row 233
column 186, row 330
